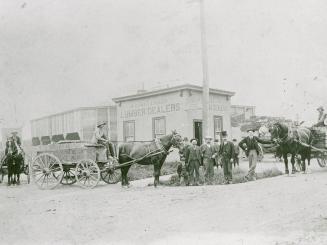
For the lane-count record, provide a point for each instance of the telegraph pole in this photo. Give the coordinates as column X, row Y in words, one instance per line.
column 205, row 85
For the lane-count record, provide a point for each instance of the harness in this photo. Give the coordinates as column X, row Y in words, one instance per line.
column 160, row 149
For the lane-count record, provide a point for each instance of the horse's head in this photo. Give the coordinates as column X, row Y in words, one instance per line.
column 277, row 131
column 176, row 140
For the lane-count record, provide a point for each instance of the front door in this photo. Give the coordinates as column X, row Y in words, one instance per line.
column 197, row 131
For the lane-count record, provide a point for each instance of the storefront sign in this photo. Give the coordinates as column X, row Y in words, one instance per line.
column 150, row 110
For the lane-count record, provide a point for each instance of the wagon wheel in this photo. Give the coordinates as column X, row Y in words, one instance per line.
column 87, row 173
column 321, row 159
column 46, row 171
column 109, row 175
column 68, row 177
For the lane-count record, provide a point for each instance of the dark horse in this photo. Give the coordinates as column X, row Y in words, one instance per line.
column 153, row 153
column 14, row 161
column 294, row 141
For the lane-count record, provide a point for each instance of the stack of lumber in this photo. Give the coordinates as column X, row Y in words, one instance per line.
column 319, row 137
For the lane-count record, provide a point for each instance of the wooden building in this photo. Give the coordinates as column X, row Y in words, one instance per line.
column 76, row 124
column 147, row 115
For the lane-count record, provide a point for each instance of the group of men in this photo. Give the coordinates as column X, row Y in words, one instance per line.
column 224, row 154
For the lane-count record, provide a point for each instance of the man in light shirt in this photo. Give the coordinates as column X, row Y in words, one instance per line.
column 99, row 137
column 208, row 153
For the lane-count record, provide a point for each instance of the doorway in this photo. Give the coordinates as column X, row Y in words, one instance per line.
column 197, row 131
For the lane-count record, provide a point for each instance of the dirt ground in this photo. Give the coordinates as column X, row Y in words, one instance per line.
column 279, row 210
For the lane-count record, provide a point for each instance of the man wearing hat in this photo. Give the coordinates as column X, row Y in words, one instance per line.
column 208, row 154
column 251, row 148
column 182, row 153
column 99, row 137
column 193, row 160
column 321, row 118
column 226, row 151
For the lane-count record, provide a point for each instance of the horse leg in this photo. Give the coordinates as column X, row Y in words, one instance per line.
column 286, row 164
column 9, row 177
column 124, row 178
column 18, row 179
column 293, row 162
column 157, row 169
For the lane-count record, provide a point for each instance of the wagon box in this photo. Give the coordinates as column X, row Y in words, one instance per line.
column 74, row 152
column 68, row 162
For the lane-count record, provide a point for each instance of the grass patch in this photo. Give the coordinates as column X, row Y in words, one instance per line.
column 138, row 171
column 238, row 176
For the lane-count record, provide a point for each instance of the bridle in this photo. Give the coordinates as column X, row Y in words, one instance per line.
column 279, row 139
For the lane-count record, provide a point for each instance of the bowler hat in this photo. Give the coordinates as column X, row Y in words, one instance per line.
column 193, row 139
column 224, row 133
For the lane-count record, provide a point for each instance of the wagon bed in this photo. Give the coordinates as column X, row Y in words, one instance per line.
column 68, row 162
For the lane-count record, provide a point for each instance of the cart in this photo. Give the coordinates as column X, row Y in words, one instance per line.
column 70, row 162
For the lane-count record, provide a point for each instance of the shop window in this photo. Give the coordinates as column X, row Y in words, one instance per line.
column 158, row 127
column 218, row 126
column 129, row 131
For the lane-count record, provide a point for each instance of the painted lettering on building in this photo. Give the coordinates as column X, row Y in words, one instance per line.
column 150, row 110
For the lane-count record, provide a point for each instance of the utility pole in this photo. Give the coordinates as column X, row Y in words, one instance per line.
column 205, row 85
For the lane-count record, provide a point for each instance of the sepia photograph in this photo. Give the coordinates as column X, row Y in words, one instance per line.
column 163, row 122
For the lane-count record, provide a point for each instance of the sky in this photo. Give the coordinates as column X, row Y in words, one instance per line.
column 61, row 54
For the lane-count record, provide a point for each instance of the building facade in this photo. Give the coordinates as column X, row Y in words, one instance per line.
column 79, row 123
column 148, row 115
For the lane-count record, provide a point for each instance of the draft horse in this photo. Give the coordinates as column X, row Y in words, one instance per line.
column 153, row 153
column 14, row 160
column 294, row 141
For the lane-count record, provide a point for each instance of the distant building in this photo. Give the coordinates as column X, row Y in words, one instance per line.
column 76, row 124
column 151, row 114
column 246, row 112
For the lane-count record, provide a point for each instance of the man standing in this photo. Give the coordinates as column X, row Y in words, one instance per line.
column 227, row 153
column 193, row 160
column 236, row 153
column 217, row 159
column 99, row 137
column 182, row 164
column 251, row 148
column 208, row 155
column 321, row 118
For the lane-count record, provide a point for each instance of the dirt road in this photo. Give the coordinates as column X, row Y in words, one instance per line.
column 280, row 210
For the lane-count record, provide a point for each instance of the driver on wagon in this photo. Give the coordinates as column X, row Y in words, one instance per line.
column 99, row 137
column 322, row 117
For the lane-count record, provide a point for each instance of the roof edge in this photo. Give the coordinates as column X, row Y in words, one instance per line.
column 170, row 90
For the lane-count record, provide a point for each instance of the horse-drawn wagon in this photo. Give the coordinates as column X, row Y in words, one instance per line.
column 70, row 162
column 84, row 163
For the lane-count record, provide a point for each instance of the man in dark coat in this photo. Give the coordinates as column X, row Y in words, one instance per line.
column 251, row 148
column 182, row 153
column 193, row 160
column 226, row 151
